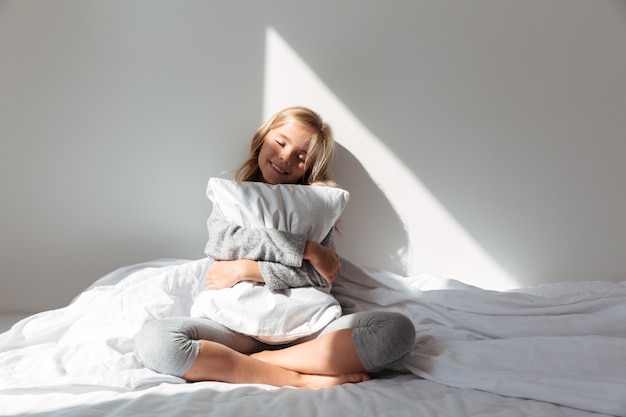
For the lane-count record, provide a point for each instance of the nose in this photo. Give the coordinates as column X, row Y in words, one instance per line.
column 286, row 154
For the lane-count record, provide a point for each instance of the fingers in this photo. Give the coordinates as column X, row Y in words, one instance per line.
column 211, row 280
column 209, row 285
column 333, row 272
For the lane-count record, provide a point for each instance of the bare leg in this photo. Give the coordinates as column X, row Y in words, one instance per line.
column 216, row 362
column 331, row 354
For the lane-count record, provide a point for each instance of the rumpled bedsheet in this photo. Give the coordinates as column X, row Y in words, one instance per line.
column 563, row 343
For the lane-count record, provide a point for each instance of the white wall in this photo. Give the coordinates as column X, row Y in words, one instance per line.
column 113, row 114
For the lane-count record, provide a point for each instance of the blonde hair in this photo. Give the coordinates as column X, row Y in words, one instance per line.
column 321, row 146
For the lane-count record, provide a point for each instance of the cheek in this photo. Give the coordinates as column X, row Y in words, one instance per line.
column 264, row 153
column 300, row 171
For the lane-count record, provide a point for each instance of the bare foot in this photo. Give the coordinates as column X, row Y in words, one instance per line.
column 320, row 381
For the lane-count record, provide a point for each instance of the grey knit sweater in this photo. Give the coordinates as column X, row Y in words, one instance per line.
column 279, row 253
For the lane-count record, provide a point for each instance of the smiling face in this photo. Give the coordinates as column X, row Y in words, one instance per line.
column 283, row 155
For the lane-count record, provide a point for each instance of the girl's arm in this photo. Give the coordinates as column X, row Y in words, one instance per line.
column 319, row 269
column 228, row 242
column 225, row 274
column 282, row 263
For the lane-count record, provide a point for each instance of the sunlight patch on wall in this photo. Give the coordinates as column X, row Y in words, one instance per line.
column 438, row 244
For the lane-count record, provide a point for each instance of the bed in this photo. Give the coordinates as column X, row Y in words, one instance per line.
column 551, row 350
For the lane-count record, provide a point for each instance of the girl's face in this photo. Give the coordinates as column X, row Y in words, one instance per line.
column 283, row 155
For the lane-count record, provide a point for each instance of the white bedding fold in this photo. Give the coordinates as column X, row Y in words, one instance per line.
column 90, row 342
column 562, row 343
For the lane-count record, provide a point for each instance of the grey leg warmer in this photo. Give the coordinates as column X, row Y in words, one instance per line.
column 382, row 338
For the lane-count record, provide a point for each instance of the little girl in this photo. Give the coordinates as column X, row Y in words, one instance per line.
column 293, row 147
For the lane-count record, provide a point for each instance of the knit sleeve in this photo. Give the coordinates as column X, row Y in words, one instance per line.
column 280, row 277
column 228, row 241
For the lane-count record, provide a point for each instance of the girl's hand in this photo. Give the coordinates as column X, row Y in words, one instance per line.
column 225, row 274
column 324, row 260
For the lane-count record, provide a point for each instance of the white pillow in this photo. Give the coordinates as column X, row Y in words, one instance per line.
column 250, row 308
column 305, row 209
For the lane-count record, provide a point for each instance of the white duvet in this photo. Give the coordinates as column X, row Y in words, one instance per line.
column 563, row 344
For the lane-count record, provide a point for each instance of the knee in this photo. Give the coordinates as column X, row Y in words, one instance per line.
column 164, row 347
column 148, row 343
column 385, row 340
column 399, row 332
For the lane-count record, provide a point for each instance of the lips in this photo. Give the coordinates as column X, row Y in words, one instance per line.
column 278, row 169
